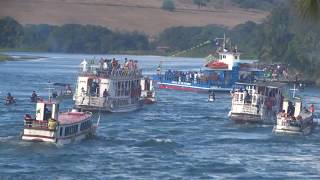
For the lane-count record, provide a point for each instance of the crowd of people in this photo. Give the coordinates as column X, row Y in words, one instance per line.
column 275, row 71
column 190, row 77
column 110, row 64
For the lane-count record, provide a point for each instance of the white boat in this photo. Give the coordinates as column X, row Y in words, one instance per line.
column 148, row 94
column 50, row 126
column 108, row 87
column 294, row 119
column 256, row 103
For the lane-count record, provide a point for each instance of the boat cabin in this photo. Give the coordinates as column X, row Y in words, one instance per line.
column 257, row 94
column 51, row 126
column 292, row 107
column 259, row 102
column 46, row 110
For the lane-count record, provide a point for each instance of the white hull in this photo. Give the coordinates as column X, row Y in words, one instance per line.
column 304, row 128
column 187, row 87
column 292, row 130
column 49, row 136
column 123, row 108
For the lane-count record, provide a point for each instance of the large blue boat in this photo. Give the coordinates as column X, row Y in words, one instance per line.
column 220, row 72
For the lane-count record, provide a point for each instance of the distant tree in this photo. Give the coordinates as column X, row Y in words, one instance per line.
column 10, row 33
column 168, row 5
column 200, row 3
column 309, row 9
column 260, row 4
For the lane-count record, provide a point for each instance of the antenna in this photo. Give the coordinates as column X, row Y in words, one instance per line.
column 224, row 40
column 49, row 90
column 294, row 90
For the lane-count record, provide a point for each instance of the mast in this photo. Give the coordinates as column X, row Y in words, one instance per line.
column 224, row 41
column 294, row 90
column 49, row 90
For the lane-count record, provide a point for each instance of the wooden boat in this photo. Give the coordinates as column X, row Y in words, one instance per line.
column 109, row 87
column 257, row 102
column 294, row 119
column 49, row 125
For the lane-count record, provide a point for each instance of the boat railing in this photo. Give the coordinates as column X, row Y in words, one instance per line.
column 249, row 109
column 119, row 73
column 125, row 73
column 32, row 123
column 97, row 101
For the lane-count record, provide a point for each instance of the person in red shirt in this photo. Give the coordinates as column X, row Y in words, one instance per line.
column 312, row 108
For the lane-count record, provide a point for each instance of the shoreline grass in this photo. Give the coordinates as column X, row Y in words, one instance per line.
column 4, row 57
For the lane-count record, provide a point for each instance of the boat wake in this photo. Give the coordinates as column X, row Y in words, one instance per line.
column 7, row 139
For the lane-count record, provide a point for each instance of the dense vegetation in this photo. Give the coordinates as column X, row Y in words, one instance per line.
column 71, row 38
column 168, row 5
column 257, row 4
column 200, row 3
column 282, row 37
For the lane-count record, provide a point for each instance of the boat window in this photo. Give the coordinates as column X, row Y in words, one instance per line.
column 85, row 125
column 71, row 130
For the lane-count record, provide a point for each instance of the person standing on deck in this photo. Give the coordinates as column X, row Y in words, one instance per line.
column 105, row 96
column 312, row 109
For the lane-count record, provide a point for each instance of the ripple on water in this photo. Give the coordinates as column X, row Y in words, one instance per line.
column 182, row 136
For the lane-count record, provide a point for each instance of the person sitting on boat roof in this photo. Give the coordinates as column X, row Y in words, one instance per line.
column 135, row 64
column 126, row 63
column 114, row 63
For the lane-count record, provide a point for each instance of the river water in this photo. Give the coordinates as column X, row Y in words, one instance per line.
column 180, row 137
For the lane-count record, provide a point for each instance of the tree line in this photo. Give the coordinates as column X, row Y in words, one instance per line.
column 282, row 37
column 69, row 38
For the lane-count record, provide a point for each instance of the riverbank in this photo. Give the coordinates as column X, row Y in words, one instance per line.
column 4, row 57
